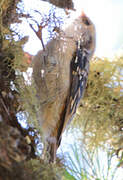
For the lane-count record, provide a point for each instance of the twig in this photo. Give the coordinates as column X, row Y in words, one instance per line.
column 4, row 106
column 39, row 32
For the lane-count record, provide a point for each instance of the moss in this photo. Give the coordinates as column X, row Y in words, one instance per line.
column 100, row 112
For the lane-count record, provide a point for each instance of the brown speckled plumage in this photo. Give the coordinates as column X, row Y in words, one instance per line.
column 60, row 73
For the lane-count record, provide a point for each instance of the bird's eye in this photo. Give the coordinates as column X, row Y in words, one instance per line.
column 86, row 22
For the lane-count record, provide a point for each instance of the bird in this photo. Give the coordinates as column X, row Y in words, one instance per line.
column 60, row 73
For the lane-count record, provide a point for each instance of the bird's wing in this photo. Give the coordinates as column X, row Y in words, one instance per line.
column 78, row 79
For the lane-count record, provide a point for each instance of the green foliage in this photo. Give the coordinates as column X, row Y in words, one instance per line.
column 28, row 100
column 68, row 176
column 11, row 56
column 45, row 171
column 13, row 62
column 100, row 113
column 88, row 165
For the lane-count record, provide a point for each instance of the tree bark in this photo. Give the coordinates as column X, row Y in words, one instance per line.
column 68, row 4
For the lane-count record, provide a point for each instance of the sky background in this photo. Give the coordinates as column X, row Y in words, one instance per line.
column 107, row 15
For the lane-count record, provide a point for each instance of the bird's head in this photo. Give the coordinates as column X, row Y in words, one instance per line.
column 82, row 29
column 88, row 32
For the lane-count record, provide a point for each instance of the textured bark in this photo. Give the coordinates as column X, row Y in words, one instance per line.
column 9, row 14
column 14, row 152
column 62, row 3
column 13, row 146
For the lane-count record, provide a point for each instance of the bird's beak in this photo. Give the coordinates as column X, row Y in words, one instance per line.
column 83, row 14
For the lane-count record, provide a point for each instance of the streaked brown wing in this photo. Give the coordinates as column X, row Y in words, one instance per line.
column 79, row 74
